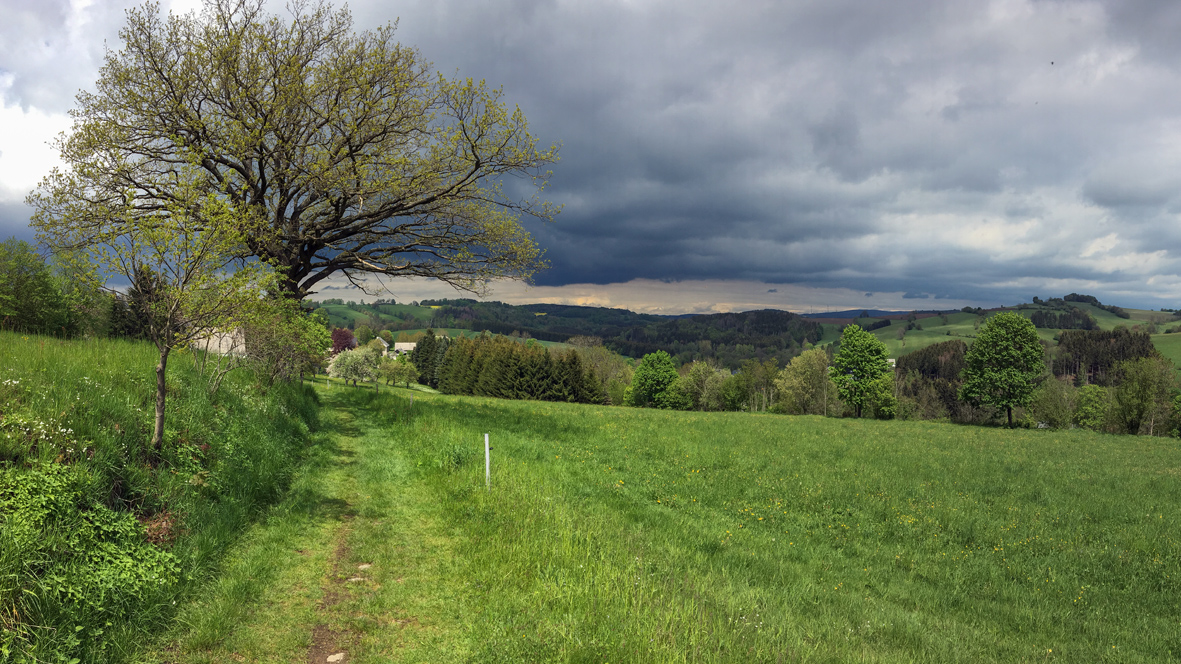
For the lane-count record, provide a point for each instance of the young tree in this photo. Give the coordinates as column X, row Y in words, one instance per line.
column 178, row 254
column 359, row 364
column 342, row 340
column 655, row 374
column 1142, row 396
column 858, row 367
column 349, row 152
column 1001, row 367
column 1093, row 408
column 397, row 370
column 804, row 385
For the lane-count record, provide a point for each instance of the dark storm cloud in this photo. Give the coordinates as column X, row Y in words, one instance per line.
column 911, row 147
column 812, row 142
column 14, row 221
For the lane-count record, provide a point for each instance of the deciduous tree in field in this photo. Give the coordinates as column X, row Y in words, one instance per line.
column 397, row 370
column 804, row 385
column 858, row 367
column 1001, row 366
column 342, row 340
column 1142, row 397
column 343, row 151
column 358, row 364
column 179, row 258
column 652, row 378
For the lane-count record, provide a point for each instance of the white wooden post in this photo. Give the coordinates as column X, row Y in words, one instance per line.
column 487, row 464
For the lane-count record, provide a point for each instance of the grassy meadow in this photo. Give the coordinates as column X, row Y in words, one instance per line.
column 620, row 535
column 100, row 536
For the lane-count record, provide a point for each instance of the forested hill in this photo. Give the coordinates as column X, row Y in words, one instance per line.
column 729, row 338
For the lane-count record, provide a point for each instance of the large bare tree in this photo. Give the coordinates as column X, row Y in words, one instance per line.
column 342, row 151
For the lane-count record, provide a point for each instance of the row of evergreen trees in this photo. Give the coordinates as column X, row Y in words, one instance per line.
column 497, row 366
column 1075, row 319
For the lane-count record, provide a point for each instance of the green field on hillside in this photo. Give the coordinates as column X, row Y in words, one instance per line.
column 964, row 326
column 455, row 333
column 617, row 535
column 1169, row 345
column 341, row 315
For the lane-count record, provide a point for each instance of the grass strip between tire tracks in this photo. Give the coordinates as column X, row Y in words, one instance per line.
column 351, row 562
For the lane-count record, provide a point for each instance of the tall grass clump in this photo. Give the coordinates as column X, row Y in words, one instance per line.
column 100, row 535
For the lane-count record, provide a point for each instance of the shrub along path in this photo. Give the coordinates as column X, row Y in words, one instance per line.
column 353, row 567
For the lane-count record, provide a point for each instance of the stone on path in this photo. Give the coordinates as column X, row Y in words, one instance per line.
column 364, row 566
column 356, row 579
column 338, row 657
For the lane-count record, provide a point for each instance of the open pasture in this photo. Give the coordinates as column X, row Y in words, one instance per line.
column 626, row 535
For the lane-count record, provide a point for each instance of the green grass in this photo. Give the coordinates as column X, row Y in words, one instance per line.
column 1169, row 346
column 80, row 488
column 341, row 315
column 615, row 535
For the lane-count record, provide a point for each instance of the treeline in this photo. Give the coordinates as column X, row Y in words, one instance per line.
column 724, row 339
column 1113, row 381
column 1090, row 357
column 1063, row 302
column 1075, row 319
column 497, row 366
column 1105, row 380
column 39, row 297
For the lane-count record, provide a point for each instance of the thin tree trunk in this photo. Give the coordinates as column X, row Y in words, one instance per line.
column 1009, row 409
column 161, row 389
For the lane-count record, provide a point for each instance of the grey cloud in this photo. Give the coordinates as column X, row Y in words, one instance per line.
column 1129, row 192
column 14, row 221
column 799, row 142
column 51, row 50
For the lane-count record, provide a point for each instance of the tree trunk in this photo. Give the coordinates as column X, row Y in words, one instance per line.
column 1009, row 409
column 161, row 368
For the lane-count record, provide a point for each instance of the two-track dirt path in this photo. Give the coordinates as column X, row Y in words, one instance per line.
column 352, row 567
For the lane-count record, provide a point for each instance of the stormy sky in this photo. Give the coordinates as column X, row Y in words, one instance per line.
column 788, row 154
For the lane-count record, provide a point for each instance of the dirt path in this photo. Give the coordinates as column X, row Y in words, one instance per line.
column 353, row 567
